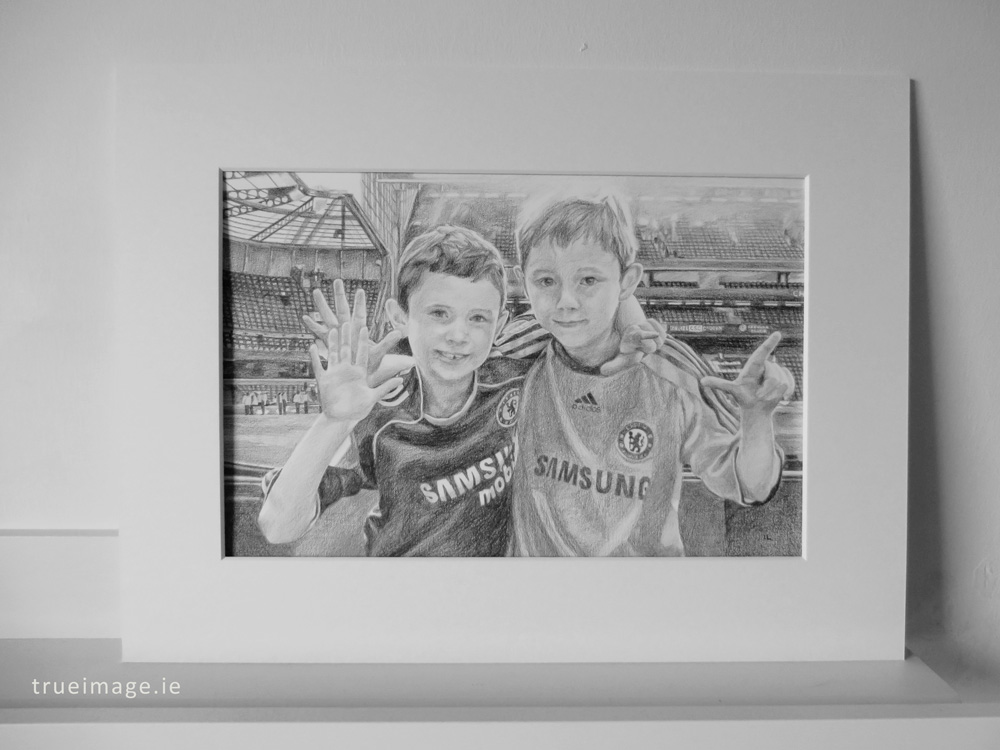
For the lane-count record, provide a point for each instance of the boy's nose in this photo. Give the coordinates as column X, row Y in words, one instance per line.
column 566, row 299
column 458, row 331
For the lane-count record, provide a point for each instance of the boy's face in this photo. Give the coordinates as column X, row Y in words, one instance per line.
column 575, row 292
column 450, row 324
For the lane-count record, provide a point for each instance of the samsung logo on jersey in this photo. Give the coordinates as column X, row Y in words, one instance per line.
column 497, row 470
column 600, row 481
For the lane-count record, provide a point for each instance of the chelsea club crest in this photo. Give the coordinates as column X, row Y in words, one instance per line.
column 635, row 441
column 507, row 409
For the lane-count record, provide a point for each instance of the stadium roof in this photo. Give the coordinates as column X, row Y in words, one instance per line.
column 280, row 208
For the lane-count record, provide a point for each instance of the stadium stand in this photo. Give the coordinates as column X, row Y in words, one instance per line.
column 690, row 316
column 674, row 284
column 761, row 285
column 736, row 241
column 276, row 304
column 777, row 318
column 650, row 250
column 262, row 342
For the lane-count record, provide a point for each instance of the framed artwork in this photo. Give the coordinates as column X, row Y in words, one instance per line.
column 753, row 205
column 720, row 267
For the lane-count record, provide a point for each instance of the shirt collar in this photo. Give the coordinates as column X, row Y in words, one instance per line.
column 413, row 405
column 563, row 356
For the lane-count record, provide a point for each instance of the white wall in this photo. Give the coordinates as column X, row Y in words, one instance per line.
column 56, row 217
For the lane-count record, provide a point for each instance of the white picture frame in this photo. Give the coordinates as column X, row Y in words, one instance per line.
column 178, row 126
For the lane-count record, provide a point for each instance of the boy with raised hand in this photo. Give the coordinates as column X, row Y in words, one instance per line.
column 437, row 443
column 602, row 455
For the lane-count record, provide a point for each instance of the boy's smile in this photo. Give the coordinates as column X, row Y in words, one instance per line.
column 575, row 292
column 450, row 323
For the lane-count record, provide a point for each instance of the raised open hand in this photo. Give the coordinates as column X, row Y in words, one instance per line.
column 381, row 365
column 762, row 383
column 343, row 384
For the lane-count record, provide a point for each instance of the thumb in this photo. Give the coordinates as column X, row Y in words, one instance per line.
column 387, row 343
column 621, row 362
column 387, row 387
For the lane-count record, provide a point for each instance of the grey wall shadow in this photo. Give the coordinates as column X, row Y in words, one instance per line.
column 924, row 595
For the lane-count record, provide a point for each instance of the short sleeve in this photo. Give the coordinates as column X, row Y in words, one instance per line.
column 361, row 456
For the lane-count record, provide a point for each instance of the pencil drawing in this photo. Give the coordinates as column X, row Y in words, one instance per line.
column 512, row 365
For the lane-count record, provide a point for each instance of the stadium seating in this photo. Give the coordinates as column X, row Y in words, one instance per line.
column 779, row 318
column 649, row 251
column 761, row 285
column 276, row 304
column 737, row 238
column 690, row 316
column 261, row 342
column 674, row 284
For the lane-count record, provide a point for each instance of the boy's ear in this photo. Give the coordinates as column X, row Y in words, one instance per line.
column 397, row 316
column 631, row 277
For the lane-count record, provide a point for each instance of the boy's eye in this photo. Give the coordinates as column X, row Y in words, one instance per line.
column 545, row 281
column 438, row 314
column 588, row 280
column 480, row 319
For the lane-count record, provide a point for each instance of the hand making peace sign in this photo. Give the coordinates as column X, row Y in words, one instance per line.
column 762, row 383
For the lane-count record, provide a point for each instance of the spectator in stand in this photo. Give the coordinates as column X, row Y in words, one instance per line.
column 254, row 400
column 264, row 400
column 282, row 402
column 246, row 403
column 316, row 277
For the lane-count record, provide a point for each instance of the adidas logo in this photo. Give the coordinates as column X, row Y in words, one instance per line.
column 587, row 402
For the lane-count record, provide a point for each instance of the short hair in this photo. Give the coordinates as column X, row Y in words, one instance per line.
column 451, row 250
column 605, row 220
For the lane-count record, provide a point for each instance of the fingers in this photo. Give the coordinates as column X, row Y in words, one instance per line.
column 333, row 350
column 346, row 355
column 387, row 387
column 364, row 344
column 648, row 340
column 765, row 350
column 777, row 380
column 360, row 314
column 661, row 332
column 383, row 347
column 314, row 358
column 343, row 309
column 315, row 328
column 390, row 366
column 387, row 344
column 324, row 309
